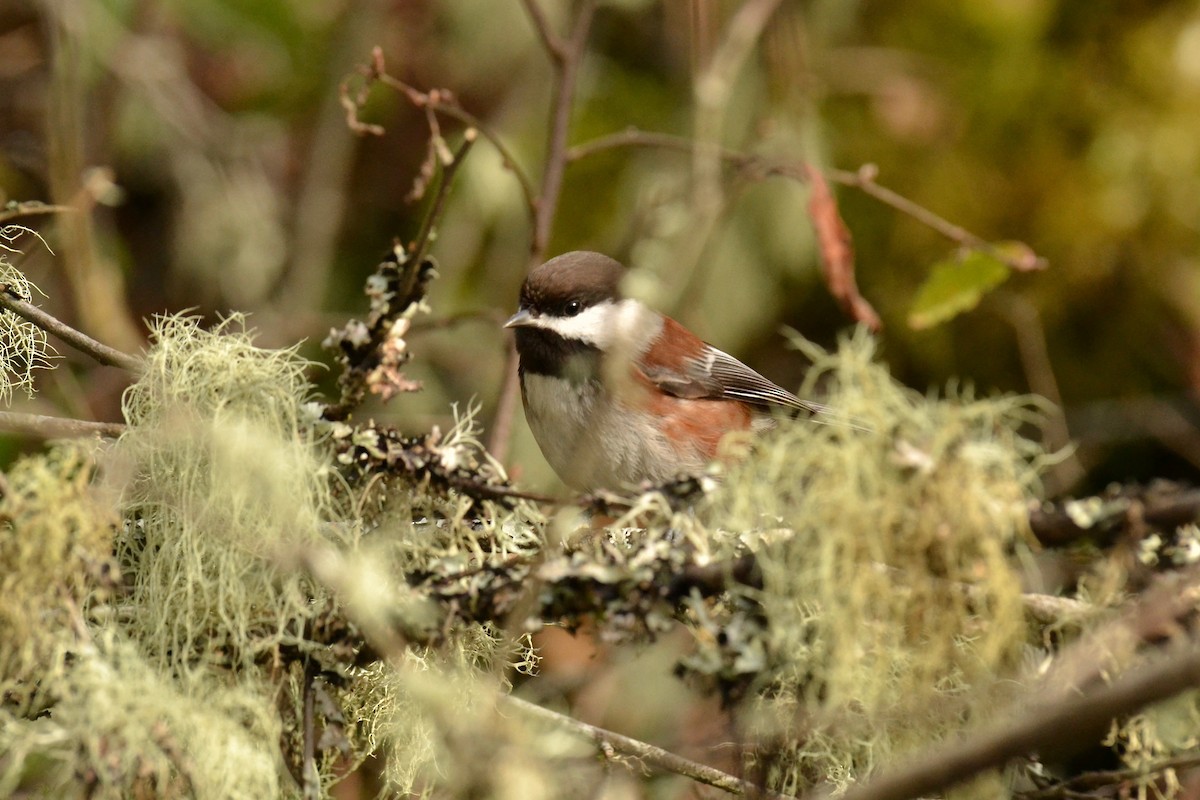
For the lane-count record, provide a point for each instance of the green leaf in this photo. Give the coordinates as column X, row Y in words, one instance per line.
column 955, row 285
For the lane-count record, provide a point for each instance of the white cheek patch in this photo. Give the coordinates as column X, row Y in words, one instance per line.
column 604, row 323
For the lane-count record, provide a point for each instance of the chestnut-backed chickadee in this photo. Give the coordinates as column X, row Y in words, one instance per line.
column 616, row 393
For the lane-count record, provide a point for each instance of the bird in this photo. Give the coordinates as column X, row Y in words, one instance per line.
column 618, row 395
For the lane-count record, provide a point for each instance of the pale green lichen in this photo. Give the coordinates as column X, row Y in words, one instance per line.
column 219, row 474
column 119, row 729
column 56, row 534
column 24, row 346
column 885, row 539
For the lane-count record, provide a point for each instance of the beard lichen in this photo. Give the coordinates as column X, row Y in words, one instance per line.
column 892, row 608
column 439, row 719
column 219, row 473
column 24, row 346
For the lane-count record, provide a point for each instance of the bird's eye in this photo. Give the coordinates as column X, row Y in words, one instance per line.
column 572, row 308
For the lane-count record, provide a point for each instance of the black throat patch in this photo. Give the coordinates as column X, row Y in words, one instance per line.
column 544, row 352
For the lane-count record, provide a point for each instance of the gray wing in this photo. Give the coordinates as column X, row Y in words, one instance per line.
column 716, row 375
column 739, row 382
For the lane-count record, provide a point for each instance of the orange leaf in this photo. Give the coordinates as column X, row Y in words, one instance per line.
column 837, row 250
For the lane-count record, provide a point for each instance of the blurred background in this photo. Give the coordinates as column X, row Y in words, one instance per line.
column 203, row 148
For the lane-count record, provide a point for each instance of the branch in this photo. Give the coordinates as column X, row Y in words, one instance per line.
column 31, row 208
column 57, row 427
column 506, row 407
column 556, row 149
column 712, row 88
column 1055, row 728
column 80, row 341
column 550, row 41
column 1098, row 780
column 654, row 756
column 1023, row 260
column 440, row 101
column 1162, row 505
column 420, row 245
column 546, row 205
column 311, row 778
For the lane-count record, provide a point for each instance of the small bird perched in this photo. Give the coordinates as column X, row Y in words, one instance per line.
column 616, row 393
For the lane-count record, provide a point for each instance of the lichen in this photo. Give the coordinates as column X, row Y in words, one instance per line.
column 892, row 606
column 24, row 347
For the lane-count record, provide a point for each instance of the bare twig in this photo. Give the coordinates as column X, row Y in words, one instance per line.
column 634, row 138
column 489, row 316
column 1024, row 260
column 322, row 197
column 311, row 777
column 440, row 101
column 546, row 205
column 1042, row 728
column 80, row 341
column 1097, row 780
column 647, row 753
column 713, row 86
column 57, row 427
column 29, row 209
column 550, row 40
column 420, row 245
column 1030, row 334
column 506, row 407
column 556, row 148
column 1021, row 259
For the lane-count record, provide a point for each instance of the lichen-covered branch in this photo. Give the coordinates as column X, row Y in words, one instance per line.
column 373, row 352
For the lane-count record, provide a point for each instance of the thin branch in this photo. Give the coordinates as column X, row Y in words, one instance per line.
column 489, row 316
column 864, row 180
column 322, row 195
column 550, row 40
column 1020, row 257
column 57, row 427
column 506, row 407
column 1034, row 352
column 634, row 138
column 712, row 88
column 1043, row 728
column 420, row 244
column 311, row 786
column 546, row 205
column 556, row 149
column 32, row 208
column 80, row 341
column 1097, row 780
column 440, row 101
column 647, row 753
